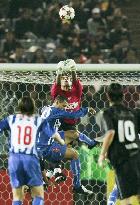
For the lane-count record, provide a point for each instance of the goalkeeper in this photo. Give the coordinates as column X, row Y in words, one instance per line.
column 71, row 88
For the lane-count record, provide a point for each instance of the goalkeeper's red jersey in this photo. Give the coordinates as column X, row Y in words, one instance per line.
column 73, row 96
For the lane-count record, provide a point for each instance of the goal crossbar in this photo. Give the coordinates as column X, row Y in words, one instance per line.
column 80, row 67
column 103, row 74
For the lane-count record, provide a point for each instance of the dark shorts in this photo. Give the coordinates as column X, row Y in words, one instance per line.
column 65, row 126
column 128, row 177
column 24, row 170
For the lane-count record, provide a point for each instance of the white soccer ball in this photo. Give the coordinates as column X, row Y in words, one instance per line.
column 66, row 13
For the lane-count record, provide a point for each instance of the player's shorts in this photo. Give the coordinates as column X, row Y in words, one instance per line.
column 65, row 126
column 55, row 152
column 128, row 177
column 24, row 170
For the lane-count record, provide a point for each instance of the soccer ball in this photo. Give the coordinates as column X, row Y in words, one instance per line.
column 66, row 13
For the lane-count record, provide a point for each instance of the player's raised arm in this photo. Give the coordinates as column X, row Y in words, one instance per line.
column 59, row 113
column 58, row 110
column 60, row 67
column 70, row 65
column 56, row 87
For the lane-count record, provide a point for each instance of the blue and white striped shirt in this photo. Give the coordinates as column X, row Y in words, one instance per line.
column 22, row 132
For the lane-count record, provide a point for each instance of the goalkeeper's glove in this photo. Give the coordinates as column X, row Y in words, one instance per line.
column 60, row 67
column 70, row 65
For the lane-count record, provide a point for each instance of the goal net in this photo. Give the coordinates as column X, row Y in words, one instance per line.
column 17, row 80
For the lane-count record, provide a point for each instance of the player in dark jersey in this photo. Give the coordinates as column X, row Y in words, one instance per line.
column 53, row 151
column 121, row 144
column 23, row 162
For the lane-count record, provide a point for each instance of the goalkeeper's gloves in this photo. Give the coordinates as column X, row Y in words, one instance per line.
column 60, row 67
column 70, row 65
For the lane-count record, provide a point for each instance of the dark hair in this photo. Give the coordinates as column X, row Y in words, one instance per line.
column 115, row 92
column 26, row 105
column 61, row 98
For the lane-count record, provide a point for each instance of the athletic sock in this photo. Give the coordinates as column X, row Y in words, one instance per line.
column 38, row 201
column 17, row 203
column 49, row 173
column 86, row 139
column 75, row 168
column 113, row 196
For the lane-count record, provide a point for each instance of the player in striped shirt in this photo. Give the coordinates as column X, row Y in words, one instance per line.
column 23, row 163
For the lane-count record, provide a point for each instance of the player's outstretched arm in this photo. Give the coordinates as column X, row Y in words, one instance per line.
column 70, row 65
column 60, row 67
column 60, row 113
column 57, row 84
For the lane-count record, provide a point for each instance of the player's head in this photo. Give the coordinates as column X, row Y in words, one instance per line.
column 61, row 102
column 115, row 92
column 26, row 105
column 66, row 82
column 65, row 68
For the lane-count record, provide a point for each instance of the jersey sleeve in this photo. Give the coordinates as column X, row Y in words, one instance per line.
column 59, row 113
column 79, row 87
column 55, row 90
column 104, row 121
column 4, row 125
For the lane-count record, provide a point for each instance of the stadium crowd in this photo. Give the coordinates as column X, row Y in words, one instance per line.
column 32, row 32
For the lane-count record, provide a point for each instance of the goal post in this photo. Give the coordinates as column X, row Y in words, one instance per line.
column 17, row 80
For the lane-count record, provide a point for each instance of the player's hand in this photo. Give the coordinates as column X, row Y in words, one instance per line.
column 60, row 67
column 91, row 111
column 70, row 65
